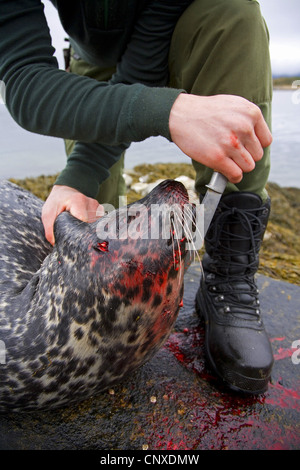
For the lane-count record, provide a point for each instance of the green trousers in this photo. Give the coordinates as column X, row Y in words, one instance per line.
column 218, row 47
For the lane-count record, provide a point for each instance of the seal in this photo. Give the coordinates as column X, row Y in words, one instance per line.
column 79, row 317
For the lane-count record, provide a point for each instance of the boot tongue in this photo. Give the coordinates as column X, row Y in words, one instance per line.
column 242, row 200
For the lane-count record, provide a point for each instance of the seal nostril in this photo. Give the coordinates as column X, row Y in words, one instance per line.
column 101, row 246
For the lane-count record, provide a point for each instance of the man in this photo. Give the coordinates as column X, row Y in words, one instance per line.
column 187, row 70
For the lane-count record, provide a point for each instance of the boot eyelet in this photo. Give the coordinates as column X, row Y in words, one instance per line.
column 212, row 288
column 220, row 298
column 257, row 311
column 227, row 309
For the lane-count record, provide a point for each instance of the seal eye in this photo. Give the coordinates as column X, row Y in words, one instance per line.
column 101, row 246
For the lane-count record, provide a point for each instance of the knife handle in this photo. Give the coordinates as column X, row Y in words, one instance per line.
column 217, row 183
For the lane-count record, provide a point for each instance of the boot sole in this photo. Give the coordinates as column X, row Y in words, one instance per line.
column 231, row 379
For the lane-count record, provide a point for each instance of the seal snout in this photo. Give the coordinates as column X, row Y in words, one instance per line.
column 170, row 191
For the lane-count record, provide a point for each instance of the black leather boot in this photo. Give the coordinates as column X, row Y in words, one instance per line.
column 237, row 345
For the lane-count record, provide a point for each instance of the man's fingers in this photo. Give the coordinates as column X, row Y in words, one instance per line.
column 80, row 212
column 48, row 219
column 227, row 166
column 63, row 198
column 100, row 212
column 86, row 209
column 259, row 125
column 233, row 172
column 254, row 147
column 263, row 132
column 95, row 210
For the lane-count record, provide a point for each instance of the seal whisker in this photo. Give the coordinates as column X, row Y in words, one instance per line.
column 190, row 217
column 178, row 237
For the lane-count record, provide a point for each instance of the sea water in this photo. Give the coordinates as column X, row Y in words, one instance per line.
column 23, row 153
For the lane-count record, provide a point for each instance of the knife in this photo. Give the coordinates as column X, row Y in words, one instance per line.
column 210, row 202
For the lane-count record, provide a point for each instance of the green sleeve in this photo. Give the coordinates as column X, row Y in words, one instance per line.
column 45, row 100
column 88, row 166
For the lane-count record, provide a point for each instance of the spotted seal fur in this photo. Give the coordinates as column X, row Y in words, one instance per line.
column 78, row 317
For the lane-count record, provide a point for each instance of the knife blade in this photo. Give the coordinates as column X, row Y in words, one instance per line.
column 215, row 189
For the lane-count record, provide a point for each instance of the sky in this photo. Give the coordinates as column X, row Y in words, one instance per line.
column 282, row 17
column 283, row 20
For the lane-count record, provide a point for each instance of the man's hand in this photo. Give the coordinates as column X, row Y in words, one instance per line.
column 224, row 132
column 64, row 198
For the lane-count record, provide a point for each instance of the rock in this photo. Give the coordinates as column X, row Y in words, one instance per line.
column 151, row 186
column 189, row 183
column 139, row 187
column 128, row 179
column 144, row 179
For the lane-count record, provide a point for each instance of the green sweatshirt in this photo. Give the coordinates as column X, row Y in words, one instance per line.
column 104, row 118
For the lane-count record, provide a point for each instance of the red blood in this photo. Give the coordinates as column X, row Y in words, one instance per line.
column 283, row 397
column 277, row 339
column 102, row 246
column 282, row 353
column 234, row 141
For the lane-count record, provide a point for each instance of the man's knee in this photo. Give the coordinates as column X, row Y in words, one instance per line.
column 217, row 42
column 245, row 15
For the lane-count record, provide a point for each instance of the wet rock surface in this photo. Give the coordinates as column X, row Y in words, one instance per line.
column 174, row 402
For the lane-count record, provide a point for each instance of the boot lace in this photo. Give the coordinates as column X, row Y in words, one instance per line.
column 231, row 273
